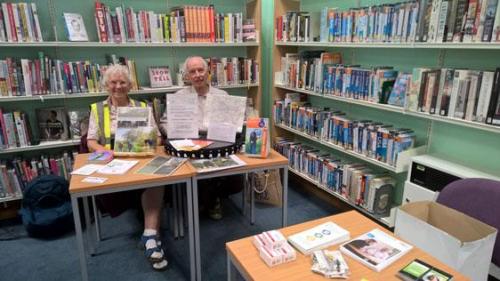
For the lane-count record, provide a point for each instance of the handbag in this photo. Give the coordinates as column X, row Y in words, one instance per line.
column 266, row 187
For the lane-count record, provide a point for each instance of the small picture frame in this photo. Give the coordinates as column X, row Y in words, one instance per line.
column 75, row 27
column 159, row 76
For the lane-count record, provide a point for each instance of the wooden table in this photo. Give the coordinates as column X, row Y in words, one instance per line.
column 273, row 161
column 128, row 181
column 243, row 255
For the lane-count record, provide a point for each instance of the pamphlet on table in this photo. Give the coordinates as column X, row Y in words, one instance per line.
column 87, row 170
column 162, row 165
column 376, row 249
column 117, row 167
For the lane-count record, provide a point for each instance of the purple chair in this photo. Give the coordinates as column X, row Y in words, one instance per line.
column 478, row 198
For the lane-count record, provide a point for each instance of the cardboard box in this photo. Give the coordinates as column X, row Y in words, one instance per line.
column 460, row 241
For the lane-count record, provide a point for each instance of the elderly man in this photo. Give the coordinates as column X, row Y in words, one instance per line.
column 196, row 72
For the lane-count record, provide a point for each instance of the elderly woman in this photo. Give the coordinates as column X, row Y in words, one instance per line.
column 102, row 126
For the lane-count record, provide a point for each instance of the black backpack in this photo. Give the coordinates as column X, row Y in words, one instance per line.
column 46, row 207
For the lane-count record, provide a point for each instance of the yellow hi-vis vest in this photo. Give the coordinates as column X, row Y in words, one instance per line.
column 102, row 117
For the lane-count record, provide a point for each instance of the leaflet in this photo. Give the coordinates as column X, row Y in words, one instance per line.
column 117, row 167
column 87, row 169
column 181, row 116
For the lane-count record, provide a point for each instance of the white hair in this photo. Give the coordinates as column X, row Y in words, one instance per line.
column 116, row 69
column 184, row 69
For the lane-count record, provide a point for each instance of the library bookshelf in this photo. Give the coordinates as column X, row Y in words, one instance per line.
column 446, row 137
column 144, row 54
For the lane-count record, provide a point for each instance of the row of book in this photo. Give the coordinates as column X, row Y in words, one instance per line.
column 46, row 76
column 353, row 181
column 317, row 71
column 372, row 139
column 233, row 71
column 457, row 93
column 412, row 21
column 181, row 24
column 19, row 23
column 52, row 124
column 472, row 95
column 15, row 175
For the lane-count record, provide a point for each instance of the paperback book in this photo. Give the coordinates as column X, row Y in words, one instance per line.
column 134, row 134
column 75, row 27
column 162, row 165
column 376, row 249
column 257, row 140
column 418, row 270
column 318, row 237
column 216, row 164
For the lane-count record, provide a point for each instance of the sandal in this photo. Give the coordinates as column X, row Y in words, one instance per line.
column 152, row 248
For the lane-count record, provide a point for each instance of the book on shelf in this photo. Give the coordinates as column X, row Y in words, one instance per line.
column 217, row 164
column 401, row 22
column 159, row 76
column 52, row 124
column 257, row 137
column 376, row 249
column 135, row 135
column 418, row 270
column 162, row 165
column 318, row 237
column 75, row 27
column 19, row 22
column 15, row 130
column 17, row 173
column 186, row 23
column 352, row 181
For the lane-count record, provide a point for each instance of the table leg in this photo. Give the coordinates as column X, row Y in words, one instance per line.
column 196, row 223
column 88, row 236
column 231, row 274
column 252, row 206
column 192, row 245
column 243, row 196
column 285, row 196
column 97, row 215
column 79, row 239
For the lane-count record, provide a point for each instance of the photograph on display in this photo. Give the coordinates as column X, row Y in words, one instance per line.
column 52, row 124
column 216, row 164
